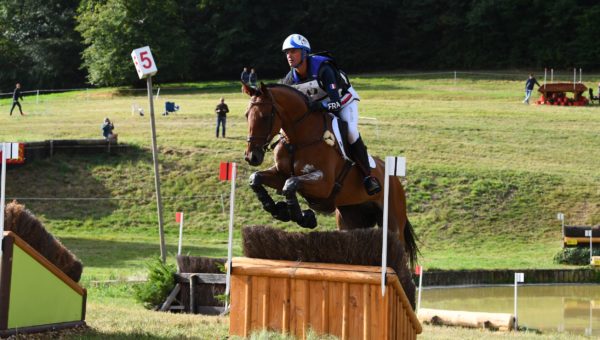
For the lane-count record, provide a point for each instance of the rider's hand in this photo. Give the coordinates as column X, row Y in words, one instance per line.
column 333, row 107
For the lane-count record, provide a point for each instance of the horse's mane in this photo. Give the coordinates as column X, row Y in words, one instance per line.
column 293, row 90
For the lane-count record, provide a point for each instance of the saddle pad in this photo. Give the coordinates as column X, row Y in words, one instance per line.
column 338, row 136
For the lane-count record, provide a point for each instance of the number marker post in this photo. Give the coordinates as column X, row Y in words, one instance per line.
column 519, row 278
column 146, row 68
column 394, row 166
column 228, row 172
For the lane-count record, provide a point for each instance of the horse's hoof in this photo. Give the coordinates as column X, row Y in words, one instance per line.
column 281, row 211
column 309, row 220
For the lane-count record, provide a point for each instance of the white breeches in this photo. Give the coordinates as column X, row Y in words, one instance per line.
column 349, row 114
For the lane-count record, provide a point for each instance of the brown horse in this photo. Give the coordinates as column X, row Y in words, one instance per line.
column 307, row 161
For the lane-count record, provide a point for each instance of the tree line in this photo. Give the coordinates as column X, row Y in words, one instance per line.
column 70, row 43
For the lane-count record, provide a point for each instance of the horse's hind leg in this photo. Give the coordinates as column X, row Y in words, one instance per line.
column 275, row 180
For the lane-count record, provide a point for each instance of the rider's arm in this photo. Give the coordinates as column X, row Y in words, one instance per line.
column 327, row 75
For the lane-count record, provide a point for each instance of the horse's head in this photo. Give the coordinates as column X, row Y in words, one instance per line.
column 263, row 123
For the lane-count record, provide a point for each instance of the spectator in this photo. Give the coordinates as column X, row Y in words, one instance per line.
column 253, row 78
column 107, row 130
column 16, row 95
column 245, row 76
column 529, row 84
column 221, row 111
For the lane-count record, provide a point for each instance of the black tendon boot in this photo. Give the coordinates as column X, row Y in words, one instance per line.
column 360, row 157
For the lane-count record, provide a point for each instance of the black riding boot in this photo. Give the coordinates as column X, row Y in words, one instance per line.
column 361, row 158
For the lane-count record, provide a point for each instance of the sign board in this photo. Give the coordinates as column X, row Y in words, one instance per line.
column 15, row 153
column 418, row 270
column 560, row 216
column 395, row 166
column 178, row 217
column 144, row 62
column 588, row 233
column 519, row 277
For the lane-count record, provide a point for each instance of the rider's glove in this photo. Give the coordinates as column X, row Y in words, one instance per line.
column 333, row 107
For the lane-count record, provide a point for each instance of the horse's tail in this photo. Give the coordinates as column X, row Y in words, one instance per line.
column 410, row 241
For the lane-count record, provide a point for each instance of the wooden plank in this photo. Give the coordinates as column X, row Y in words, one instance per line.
column 277, row 304
column 366, row 304
column 208, row 278
column 334, row 314
column 167, row 304
column 247, row 307
column 318, row 304
column 237, row 300
column 355, row 311
column 345, row 310
column 259, row 287
column 287, row 305
column 299, row 308
column 247, row 262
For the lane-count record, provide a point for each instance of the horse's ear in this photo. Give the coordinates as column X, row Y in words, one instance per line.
column 263, row 87
column 247, row 89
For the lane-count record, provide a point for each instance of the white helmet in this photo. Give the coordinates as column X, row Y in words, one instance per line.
column 296, row 41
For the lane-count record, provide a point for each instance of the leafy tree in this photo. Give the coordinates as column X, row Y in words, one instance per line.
column 39, row 43
column 113, row 28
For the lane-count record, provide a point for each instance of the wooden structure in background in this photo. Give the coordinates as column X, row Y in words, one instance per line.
column 337, row 299
column 556, row 94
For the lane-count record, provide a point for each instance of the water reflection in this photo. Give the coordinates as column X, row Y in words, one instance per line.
column 549, row 308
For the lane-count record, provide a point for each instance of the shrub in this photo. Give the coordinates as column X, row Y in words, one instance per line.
column 575, row 256
column 161, row 280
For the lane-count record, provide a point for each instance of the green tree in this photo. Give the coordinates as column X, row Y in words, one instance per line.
column 111, row 29
column 38, row 44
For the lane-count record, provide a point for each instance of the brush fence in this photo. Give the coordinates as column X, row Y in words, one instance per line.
column 341, row 300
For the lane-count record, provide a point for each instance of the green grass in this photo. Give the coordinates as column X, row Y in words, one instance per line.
column 486, row 174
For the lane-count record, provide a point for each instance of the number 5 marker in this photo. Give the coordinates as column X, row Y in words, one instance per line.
column 144, row 63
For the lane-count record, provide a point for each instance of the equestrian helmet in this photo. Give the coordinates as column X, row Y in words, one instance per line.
column 296, row 41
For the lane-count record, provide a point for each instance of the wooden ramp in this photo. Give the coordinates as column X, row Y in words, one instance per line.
column 34, row 294
column 341, row 300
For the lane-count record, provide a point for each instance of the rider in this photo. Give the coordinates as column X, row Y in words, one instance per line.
column 321, row 80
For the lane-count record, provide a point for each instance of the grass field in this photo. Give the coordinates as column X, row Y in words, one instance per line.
column 486, row 176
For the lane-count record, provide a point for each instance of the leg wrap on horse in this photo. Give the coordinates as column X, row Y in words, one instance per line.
column 262, row 194
column 306, row 218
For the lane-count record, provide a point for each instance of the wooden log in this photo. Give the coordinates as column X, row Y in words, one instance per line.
column 495, row 321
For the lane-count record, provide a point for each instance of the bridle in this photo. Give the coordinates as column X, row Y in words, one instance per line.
column 267, row 138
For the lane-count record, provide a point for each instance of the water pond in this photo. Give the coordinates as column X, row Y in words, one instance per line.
column 548, row 308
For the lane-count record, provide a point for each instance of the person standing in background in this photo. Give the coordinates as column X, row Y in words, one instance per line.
column 16, row 95
column 253, row 78
column 245, row 77
column 221, row 111
column 529, row 84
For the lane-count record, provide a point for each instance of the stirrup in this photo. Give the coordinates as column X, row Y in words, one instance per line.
column 372, row 185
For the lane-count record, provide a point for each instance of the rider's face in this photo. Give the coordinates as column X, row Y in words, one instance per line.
column 294, row 56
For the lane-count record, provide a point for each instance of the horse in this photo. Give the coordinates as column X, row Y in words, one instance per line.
column 309, row 162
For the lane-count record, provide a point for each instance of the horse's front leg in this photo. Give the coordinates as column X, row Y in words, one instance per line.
column 306, row 182
column 271, row 178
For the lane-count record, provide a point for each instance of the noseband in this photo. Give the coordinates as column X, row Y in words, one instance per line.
column 267, row 138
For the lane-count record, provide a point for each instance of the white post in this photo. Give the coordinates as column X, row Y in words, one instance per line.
column 157, row 93
column 37, row 97
column 574, row 77
column 395, row 166
column 386, row 186
column 454, row 78
column 551, row 75
column 180, row 234
column 519, row 277
column 580, row 75
column 421, row 272
column 230, row 241
column 588, row 233
column 561, row 217
column 545, row 73
column 2, row 184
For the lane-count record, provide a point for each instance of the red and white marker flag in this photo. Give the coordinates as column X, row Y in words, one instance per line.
column 419, row 271
column 178, row 217
column 9, row 151
column 226, row 171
